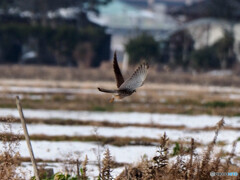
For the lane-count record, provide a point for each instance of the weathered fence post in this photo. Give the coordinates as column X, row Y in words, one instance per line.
column 27, row 137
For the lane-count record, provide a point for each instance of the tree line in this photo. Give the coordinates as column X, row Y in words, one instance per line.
column 29, row 36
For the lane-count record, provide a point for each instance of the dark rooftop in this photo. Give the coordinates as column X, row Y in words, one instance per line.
column 226, row 9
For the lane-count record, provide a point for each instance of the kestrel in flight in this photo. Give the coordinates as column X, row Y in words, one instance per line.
column 128, row 87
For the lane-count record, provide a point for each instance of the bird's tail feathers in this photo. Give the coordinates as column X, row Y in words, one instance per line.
column 106, row 90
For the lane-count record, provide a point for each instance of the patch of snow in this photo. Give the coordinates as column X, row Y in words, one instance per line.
column 234, row 96
column 220, row 73
column 193, row 121
column 62, row 150
column 48, row 90
column 133, row 132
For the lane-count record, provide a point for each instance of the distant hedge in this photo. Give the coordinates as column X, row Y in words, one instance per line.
column 142, row 47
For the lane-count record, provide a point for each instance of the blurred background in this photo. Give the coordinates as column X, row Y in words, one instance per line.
column 55, row 53
column 182, row 34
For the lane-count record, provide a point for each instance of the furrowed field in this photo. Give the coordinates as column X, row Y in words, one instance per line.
column 69, row 120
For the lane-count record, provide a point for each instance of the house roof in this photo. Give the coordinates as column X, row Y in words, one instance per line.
column 226, row 9
column 119, row 15
column 168, row 3
column 195, row 23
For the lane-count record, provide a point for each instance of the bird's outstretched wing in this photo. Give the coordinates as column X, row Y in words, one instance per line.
column 117, row 71
column 137, row 78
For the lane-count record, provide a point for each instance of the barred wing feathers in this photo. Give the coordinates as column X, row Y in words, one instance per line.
column 137, row 78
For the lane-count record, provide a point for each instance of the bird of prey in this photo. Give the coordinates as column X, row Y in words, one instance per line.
column 128, row 87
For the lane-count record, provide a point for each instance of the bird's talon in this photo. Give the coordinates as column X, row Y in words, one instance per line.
column 111, row 100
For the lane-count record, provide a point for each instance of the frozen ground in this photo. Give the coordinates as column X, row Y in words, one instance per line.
column 133, row 132
column 77, row 150
column 48, row 87
column 47, row 90
column 195, row 121
column 24, row 85
column 53, row 150
column 63, row 149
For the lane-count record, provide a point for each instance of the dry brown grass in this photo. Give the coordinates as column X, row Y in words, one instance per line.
column 107, row 166
column 103, row 74
column 155, row 98
column 102, row 140
column 190, row 104
column 9, row 155
column 188, row 165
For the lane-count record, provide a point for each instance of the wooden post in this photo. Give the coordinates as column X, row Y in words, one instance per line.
column 27, row 138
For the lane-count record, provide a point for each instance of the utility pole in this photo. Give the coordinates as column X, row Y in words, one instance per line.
column 27, row 138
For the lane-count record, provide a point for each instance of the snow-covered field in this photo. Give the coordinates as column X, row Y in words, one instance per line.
column 192, row 126
column 195, row 121
column 130, row 131
column 61, row 150
column 48, row 90
column 52, row 150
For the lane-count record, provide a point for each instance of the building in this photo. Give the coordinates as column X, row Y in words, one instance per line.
column 124, row 21
column 208, row 20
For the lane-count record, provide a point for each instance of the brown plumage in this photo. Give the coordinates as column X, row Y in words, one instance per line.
column 126, row 88
column 118, row 74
